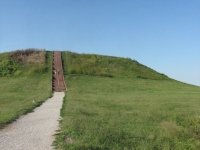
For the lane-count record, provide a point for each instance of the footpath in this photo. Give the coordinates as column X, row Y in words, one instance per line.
column 35, row 130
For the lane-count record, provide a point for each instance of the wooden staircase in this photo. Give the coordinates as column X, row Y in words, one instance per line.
column 58, row 82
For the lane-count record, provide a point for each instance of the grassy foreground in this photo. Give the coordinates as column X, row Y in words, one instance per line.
column 22, row 82
column 125, row 113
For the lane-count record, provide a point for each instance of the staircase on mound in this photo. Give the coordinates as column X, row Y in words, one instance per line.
column 58, row 82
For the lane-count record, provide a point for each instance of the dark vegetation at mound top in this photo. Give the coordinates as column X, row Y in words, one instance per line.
column 107, row 66
column 33, row 61
column 23, row 62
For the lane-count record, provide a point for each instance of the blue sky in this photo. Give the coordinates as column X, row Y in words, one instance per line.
column 161, row 34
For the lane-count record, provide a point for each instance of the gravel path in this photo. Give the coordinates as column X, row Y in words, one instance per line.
column 35, row 130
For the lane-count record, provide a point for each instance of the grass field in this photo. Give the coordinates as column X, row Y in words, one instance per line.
column 120, row 104
column 125, row 113
column 23, row 83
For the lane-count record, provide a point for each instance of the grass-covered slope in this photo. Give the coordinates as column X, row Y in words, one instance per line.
column 98, row 65
column 24, row 75
column 125, row 113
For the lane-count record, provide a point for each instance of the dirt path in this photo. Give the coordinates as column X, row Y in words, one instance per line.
column 35, row 130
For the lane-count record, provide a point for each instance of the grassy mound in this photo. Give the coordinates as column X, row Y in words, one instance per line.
column 25, row 75
column 127, row 111
column 98, row 65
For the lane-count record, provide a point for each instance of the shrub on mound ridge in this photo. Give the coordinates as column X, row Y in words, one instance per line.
column 28, row 61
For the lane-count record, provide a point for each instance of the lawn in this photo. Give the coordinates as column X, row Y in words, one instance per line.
column 17, row 94
column 129, row 113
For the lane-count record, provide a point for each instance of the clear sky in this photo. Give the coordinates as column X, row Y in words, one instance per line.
column 161, row 34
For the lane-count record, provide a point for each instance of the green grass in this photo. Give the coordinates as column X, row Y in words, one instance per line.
column 120, row 104
column 125, row 113
column 17, row 90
